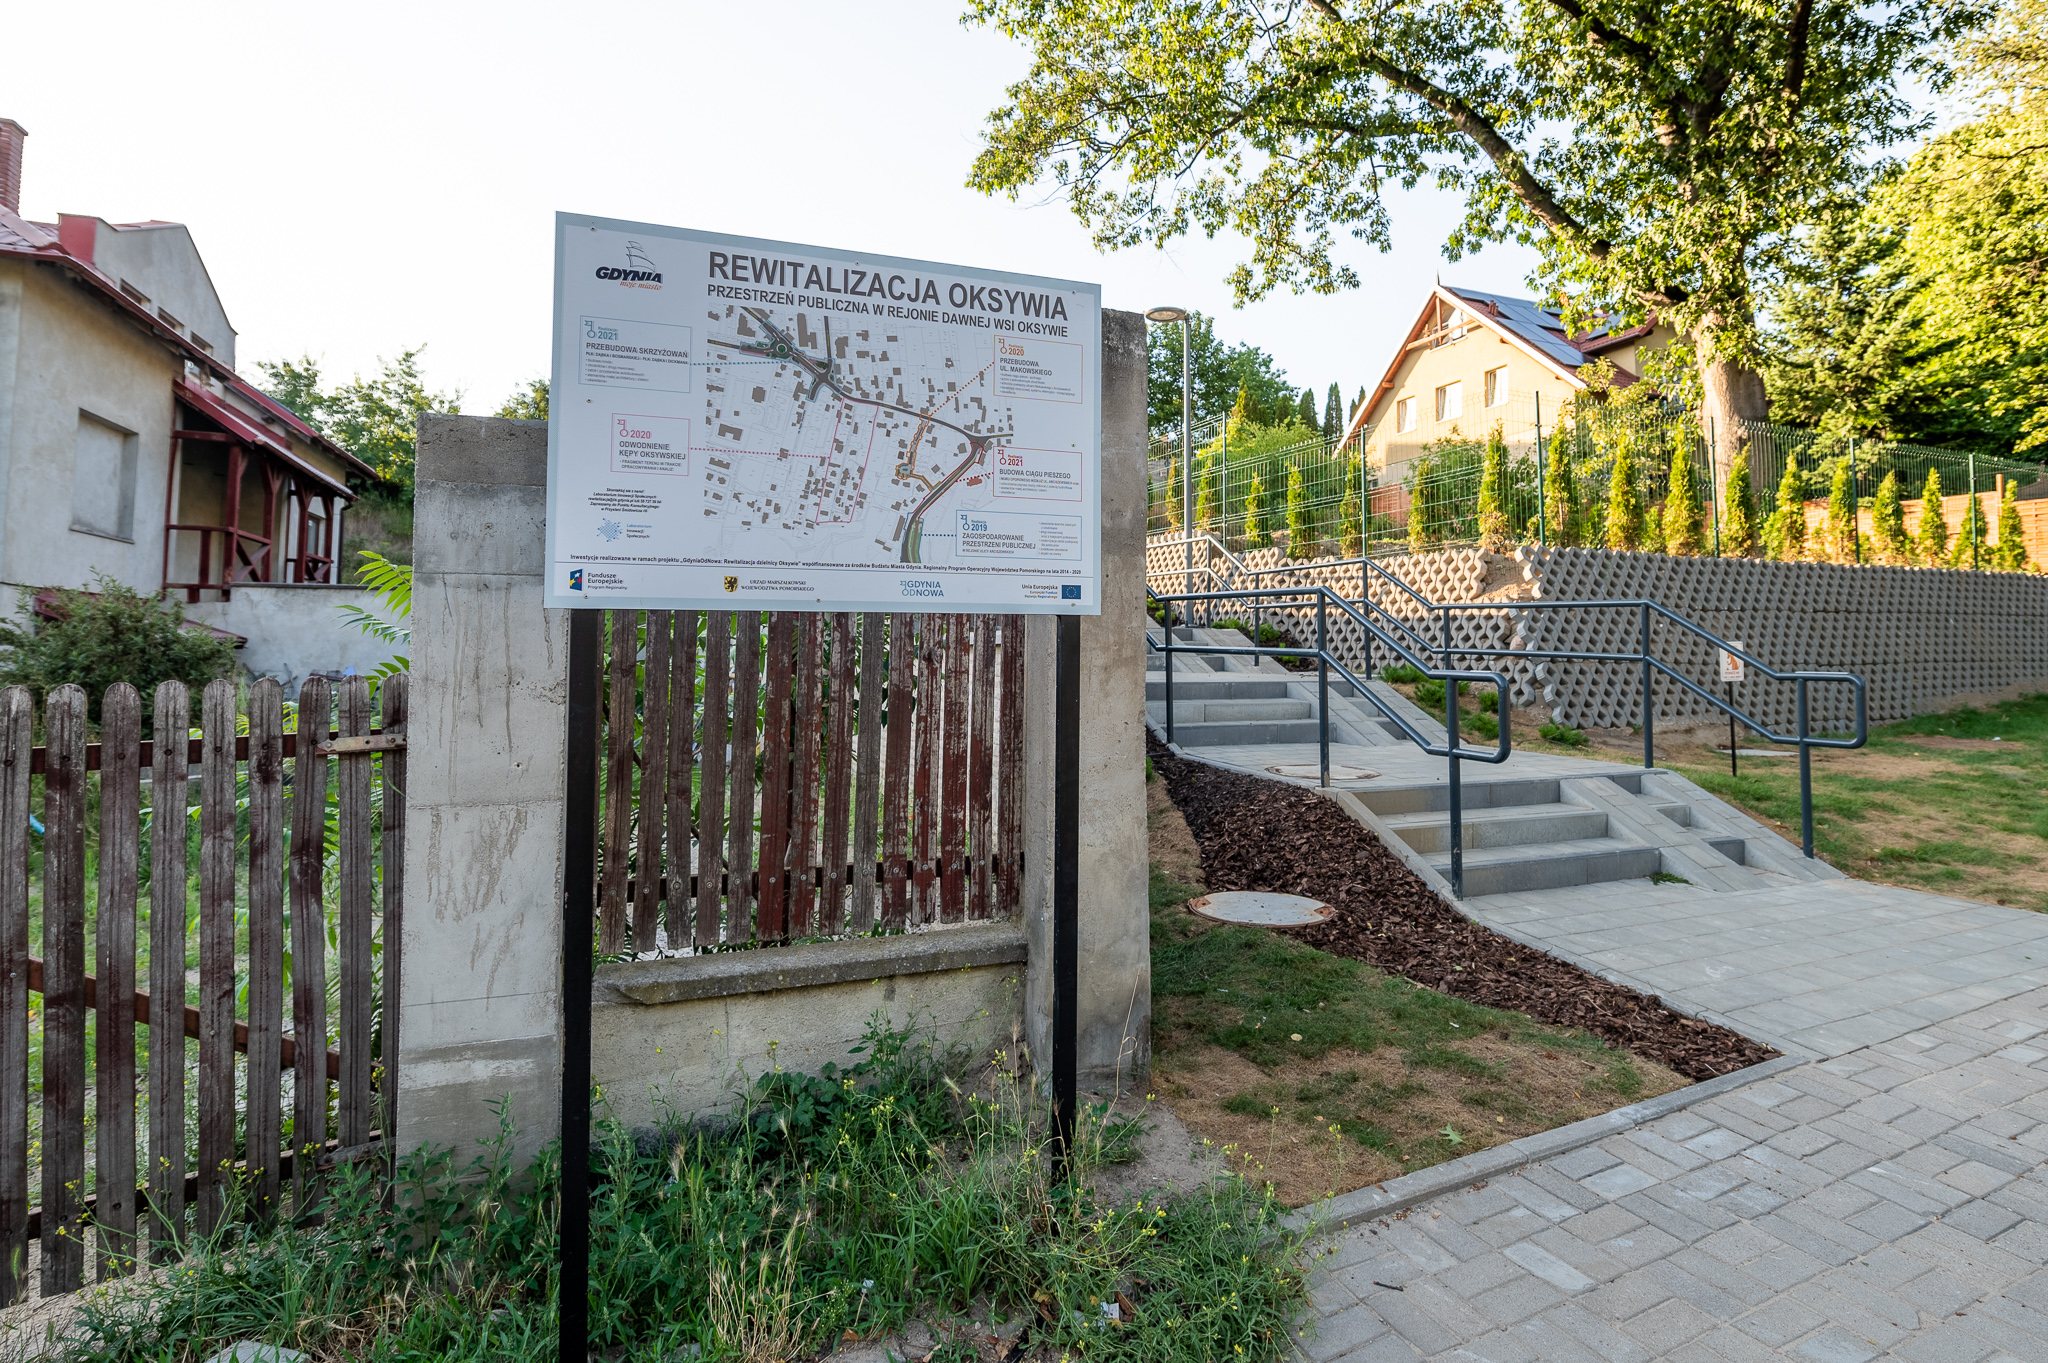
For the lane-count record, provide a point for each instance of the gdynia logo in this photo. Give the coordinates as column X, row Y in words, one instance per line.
column 638, row 268
column 575, row 579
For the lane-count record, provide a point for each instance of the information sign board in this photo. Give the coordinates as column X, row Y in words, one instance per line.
column 1731, row 666
column 753, row 425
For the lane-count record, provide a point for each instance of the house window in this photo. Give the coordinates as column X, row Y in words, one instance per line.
column 1496, row 386
column 1404, row 414
column 103, row 479
column 1450, row 401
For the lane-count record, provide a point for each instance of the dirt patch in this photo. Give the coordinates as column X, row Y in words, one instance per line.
column 1172, row 846
column 1947, row 741
column 1260, row 835
column 1349, row 1120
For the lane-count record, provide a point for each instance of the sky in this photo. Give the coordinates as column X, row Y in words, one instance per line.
column 365, row 178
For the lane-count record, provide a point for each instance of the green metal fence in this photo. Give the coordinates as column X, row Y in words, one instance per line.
column 1532, row 475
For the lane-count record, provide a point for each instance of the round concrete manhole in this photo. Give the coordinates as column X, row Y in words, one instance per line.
column 1309, row 772
column 1261, row 909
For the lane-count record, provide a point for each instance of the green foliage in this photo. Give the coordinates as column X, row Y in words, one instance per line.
column 1205, row 497
column 1653, row 530
column 1256, row 532
column 1841, row 522
column 1493, row 488
column 109, row 634
column 1624, row 500
column 2010, row 554
column 1738, row 510
column 375, row 419
column 1247, row 410
column 1217, row 371
column 1333, row 415
column 1173, row 491
column 1305, row 410
column 529, row 402
column 1561, row 493
column 392, row 582
column 1969, row 549
column 1351, row 511
column 1785, row 529
column 1301, row 522
column 1565, row 734
column 1661, row 157
column 1930, row 537
column 850, row 1202
column 1888, row 521
column 1681, row 499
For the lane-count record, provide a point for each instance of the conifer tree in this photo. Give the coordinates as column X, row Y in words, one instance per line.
column 2010, row 553
column 1681, row 500
column 1930, row 537
column 1357, row 402
column 1305, row 414
column 1785, row 531
column 1333, row 416
column 1351, row 511
column 1561, row 493
column 1421, row 503
column 1246, row 409
column 1205, row 496
column 1888, row 521
column 1494, row 534
column 1841, row 536
column 1301, row 521
column 1624, row 500
column 1738, row 511
column 1970, row 548
column 1256, row 535
column 1173, row 493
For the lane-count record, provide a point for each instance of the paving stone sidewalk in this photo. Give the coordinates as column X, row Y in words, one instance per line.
column 1888, row 1201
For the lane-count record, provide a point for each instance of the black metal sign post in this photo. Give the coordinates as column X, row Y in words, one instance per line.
column 1066, row 890
column 579, row 912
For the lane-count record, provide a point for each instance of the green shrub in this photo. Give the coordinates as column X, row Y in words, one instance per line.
column 1565, row 734
column 110, row 634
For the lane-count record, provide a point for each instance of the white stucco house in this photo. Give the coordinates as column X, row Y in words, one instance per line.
column 130, row 447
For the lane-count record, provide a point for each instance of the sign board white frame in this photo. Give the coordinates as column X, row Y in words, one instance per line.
column 651, row 324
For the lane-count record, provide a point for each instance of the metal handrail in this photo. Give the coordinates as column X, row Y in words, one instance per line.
column 1451, row 749
column 1802, row 737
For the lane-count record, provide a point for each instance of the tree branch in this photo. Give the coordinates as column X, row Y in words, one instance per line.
column 1636, row 50
column 1795, row 57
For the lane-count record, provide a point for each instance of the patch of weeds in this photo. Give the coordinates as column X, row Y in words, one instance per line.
column 1563, row 734
column 1401, row 674
column 817, row 1209
column 1622, row 1078
column 1247, row 1105
column 1666, row 878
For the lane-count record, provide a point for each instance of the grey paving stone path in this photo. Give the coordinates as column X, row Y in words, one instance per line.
column 1888, row 1201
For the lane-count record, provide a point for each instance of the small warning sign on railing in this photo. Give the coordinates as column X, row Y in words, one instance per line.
column 1731, row 662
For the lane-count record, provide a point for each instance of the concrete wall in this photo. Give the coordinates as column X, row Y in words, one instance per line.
column 163, row 262
column 484, row 824
column 297, row 630
column 71, row 354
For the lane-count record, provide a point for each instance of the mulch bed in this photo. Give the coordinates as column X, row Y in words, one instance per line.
column 1256, row 834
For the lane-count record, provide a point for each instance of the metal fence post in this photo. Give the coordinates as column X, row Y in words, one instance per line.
column 1972, row 519
column 1855, row 504
column 1457, row 792
column 1167, row 611
column 1714, row 488
column 1649, row 716
column 1805, row 779
column 1323, row 678
column 1542, row 521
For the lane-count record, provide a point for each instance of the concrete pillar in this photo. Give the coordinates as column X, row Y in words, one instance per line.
column 484, row 812
column 1116, row 948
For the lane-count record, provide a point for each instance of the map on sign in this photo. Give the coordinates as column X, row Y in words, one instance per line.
column 743, row 423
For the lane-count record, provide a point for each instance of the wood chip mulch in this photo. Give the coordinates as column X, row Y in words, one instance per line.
column 1256, row 834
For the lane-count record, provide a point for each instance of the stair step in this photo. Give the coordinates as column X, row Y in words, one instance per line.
column 1215, row 690
column 1549, row 866
column 1227, row 735
column 1507, row 826
column 1229, row 711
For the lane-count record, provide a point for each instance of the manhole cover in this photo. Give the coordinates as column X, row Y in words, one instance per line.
column 1307, row 772
column 1261, row 909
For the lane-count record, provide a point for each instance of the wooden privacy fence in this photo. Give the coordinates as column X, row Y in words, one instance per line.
column 251, row 876
column 804, row 774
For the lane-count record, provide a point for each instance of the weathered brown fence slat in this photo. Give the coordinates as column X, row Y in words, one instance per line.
column 953, row 801
column 1010, row 768
column 867, row 768
column 897, row 779
column 353, row 1115
column 142, row 1013
column 771, row 918
column 654, row 719
column 682, row 761
column 929, row 777
column 64, row 798
column 746, row 696
column 711, row 804
column 309, row 940
column 396, row 695
column 263, row 1121
column 17, row 729
column 838, row 774
column 981, row 766
column 195, row 751
column 114, row 957
column 216, row 954
column 618, row 786
column 168, row 1025
column 806, row 707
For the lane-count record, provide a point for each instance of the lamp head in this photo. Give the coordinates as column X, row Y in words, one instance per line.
column 1166, row 314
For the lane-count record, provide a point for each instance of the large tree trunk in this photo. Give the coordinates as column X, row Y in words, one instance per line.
column 1734, row 395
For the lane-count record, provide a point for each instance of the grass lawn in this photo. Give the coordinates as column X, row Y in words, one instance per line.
column 1323, row 1074
column 1955, row 803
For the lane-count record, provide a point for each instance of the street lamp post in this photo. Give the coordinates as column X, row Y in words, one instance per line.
column 1187, row 450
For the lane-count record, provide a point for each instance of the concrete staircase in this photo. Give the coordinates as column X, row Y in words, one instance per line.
column 1539, row 822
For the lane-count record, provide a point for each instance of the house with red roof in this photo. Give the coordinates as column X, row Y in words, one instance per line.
column 1472, row 359
column 129, row 444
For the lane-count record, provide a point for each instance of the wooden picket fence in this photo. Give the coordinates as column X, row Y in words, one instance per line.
column 244, row 855
column 889, row 750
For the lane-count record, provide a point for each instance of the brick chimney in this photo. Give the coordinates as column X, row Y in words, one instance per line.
column 12, row 135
